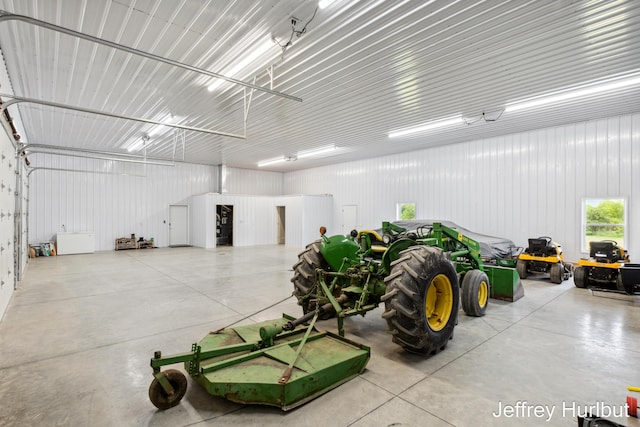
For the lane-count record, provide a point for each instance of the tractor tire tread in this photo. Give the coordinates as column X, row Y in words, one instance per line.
column 521, row 268
column 404, row 301
column 471, row 284
column 580, row 277
column 556, row 272
column 305, row 272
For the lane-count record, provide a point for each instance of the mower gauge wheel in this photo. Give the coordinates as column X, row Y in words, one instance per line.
column 163, row 400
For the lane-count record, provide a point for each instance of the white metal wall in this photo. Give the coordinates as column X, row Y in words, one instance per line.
column 517, row 186
column 304, row 214
column 314, row 211
column 112, row 200
column 246, row 181
column 202, row 229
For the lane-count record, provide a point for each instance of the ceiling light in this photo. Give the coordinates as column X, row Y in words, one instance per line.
column 450, row 121
column 317, row 152
column 138, row 144
column 325, row 3
column 159, row 130
column 579, row 92
column 280, row 159
column 261, row 48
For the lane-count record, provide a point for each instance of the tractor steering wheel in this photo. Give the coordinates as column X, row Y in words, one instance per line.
column 547, row 238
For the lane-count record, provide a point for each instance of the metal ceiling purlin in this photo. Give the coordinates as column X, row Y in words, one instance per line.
column 6, row 16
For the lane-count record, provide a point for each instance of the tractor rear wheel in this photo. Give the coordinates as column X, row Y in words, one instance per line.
column 580, row 277
column 556, row 271
column 421, row 300
column 521, row 267
column 475, row 293
column 304, row 276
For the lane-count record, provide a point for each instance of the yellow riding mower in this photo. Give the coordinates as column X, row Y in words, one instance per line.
column 607, row 267
column 543, row 255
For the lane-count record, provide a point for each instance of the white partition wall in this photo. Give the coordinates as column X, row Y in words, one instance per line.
column 255, row 220
column 245, row 181
column 517, row 186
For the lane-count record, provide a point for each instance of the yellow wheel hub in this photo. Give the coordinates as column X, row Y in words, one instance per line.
column 483, row 293
column 439, row 302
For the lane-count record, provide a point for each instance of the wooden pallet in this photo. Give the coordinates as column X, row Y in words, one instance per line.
column 126, row 243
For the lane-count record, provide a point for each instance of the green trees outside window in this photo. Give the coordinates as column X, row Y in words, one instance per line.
column 604, row 219
column 406, row 211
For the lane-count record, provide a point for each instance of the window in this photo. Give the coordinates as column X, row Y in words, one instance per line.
column 406, row 211
column 603, row 219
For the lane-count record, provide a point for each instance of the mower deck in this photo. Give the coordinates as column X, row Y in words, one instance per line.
column 247, row 365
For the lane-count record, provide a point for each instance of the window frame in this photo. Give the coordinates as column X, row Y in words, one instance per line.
column 399, row 207
column 583, row 220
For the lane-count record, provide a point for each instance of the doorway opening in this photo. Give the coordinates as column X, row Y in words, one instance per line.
column 281, row 224
column 224, row 225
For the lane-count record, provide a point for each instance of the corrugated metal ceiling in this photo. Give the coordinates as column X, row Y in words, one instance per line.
column 362, row 68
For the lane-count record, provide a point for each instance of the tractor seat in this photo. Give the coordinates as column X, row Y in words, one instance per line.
column 540, row 247
column 604, row 251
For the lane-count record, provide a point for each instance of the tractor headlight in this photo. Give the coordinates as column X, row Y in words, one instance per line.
column 386, row 239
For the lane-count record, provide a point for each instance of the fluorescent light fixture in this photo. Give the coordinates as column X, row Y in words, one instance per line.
column 450, row 121
column 579, row 92
column 261, row 48
column 136, row 145
column 317, row 152
column 280, row 159
column 325, row 3
column 157, row 130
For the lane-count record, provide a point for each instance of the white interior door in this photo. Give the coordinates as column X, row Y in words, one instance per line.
column 178, row 225
column 349, row 218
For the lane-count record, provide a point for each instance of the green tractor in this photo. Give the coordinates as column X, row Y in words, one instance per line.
column 287, row 362
column 415, row 273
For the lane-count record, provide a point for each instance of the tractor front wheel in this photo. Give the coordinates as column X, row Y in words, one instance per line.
column 421, row 300
column 521, row 267
column 475, row 293
column 580, row 277
column 304, row 277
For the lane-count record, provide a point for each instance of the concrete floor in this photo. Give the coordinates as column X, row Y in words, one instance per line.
column 76, row 341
